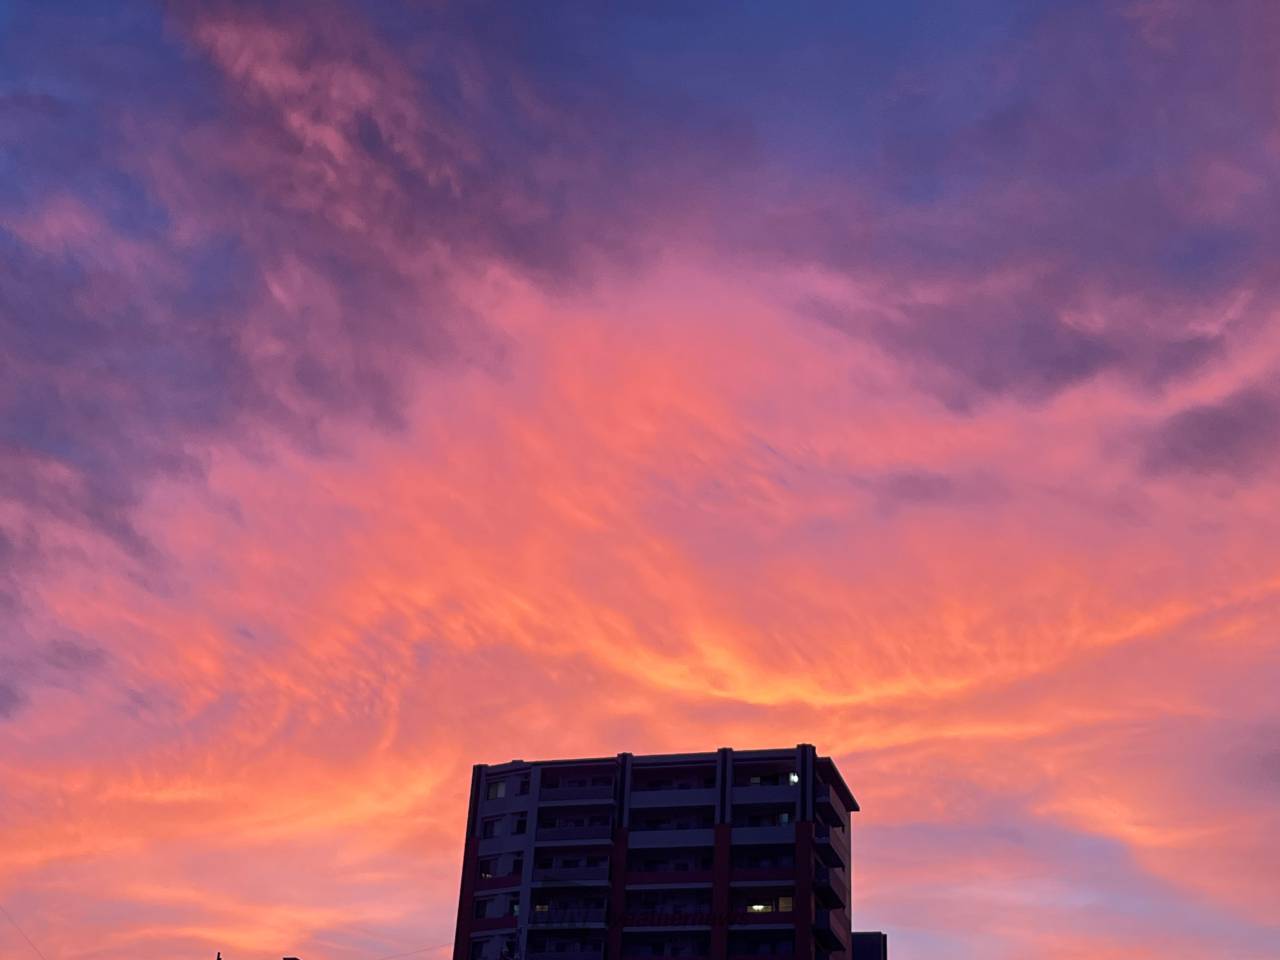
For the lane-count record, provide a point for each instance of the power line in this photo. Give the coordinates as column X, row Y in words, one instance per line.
column 9, row 917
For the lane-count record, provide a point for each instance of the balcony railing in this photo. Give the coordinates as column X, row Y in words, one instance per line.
column 570, row 874
column 763, row 873
column 832, row 928
column 494, row 923
column 592, row 832
column 668, row 876
column 742, row 915
column 594, row 792
column 688, row 917
column 830, row 884
column 765, row 793
column 580, row 953
column 830, row 844
column 491, row 883
column 568, row 916
column 673, row 797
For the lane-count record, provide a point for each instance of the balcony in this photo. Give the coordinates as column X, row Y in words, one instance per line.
column 571, row 874
column 753, row 918
column 831, row 846
column 830, row 885
column 496, row 883
column 493, row 923
column 688, row 917
column 576, row 953
column 596, row 792
column 668, row 877
column 673, row 837
column 568, row 917
column 782, row 833
column 674, row 797
column 831, row 929
column 593, row 832
column 766, row 793
column 777, row 874
column 828, row 802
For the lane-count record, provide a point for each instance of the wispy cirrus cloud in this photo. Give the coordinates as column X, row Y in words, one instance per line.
column 384, row 385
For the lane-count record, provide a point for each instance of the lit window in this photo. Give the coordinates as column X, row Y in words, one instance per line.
column 793, row 778
column 761, row 908
column 784, row 904
column 541, row 907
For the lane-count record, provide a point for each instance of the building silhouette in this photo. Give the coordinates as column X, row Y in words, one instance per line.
column 708, row 856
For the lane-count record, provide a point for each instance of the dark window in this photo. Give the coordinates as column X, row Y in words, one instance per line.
column 489, row 828
column 521, row 823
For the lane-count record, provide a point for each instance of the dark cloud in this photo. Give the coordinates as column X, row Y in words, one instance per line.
column 1237, row 437
column 1041, row 220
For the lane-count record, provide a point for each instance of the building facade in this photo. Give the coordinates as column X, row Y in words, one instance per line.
column 707, row 856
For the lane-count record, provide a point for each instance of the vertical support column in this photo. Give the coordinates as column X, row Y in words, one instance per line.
column 722, row 856
column 530, row 855
column 618, row 856
column 806, row 767
column 802, row 906
column 470, row 858
column 617, row 893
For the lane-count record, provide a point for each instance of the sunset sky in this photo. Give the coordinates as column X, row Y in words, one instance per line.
column 387, row 387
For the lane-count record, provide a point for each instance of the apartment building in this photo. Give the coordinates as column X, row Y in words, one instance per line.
column 727, row 855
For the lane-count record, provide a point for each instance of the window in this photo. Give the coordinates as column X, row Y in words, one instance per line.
column 523, row 787
column 489, row 827
column 541, row 907
column 793, row 778
column 784, row 904
column 513, row 908
column 477, row 949
column 482, row 908
column 522, row 823
column 761, row 908
column 517, row 864
column 488, row 868
column 784, row 817
column 497, row 790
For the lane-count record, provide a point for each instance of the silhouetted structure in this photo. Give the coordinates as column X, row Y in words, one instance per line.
column 723, row 856
column 870, row 946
